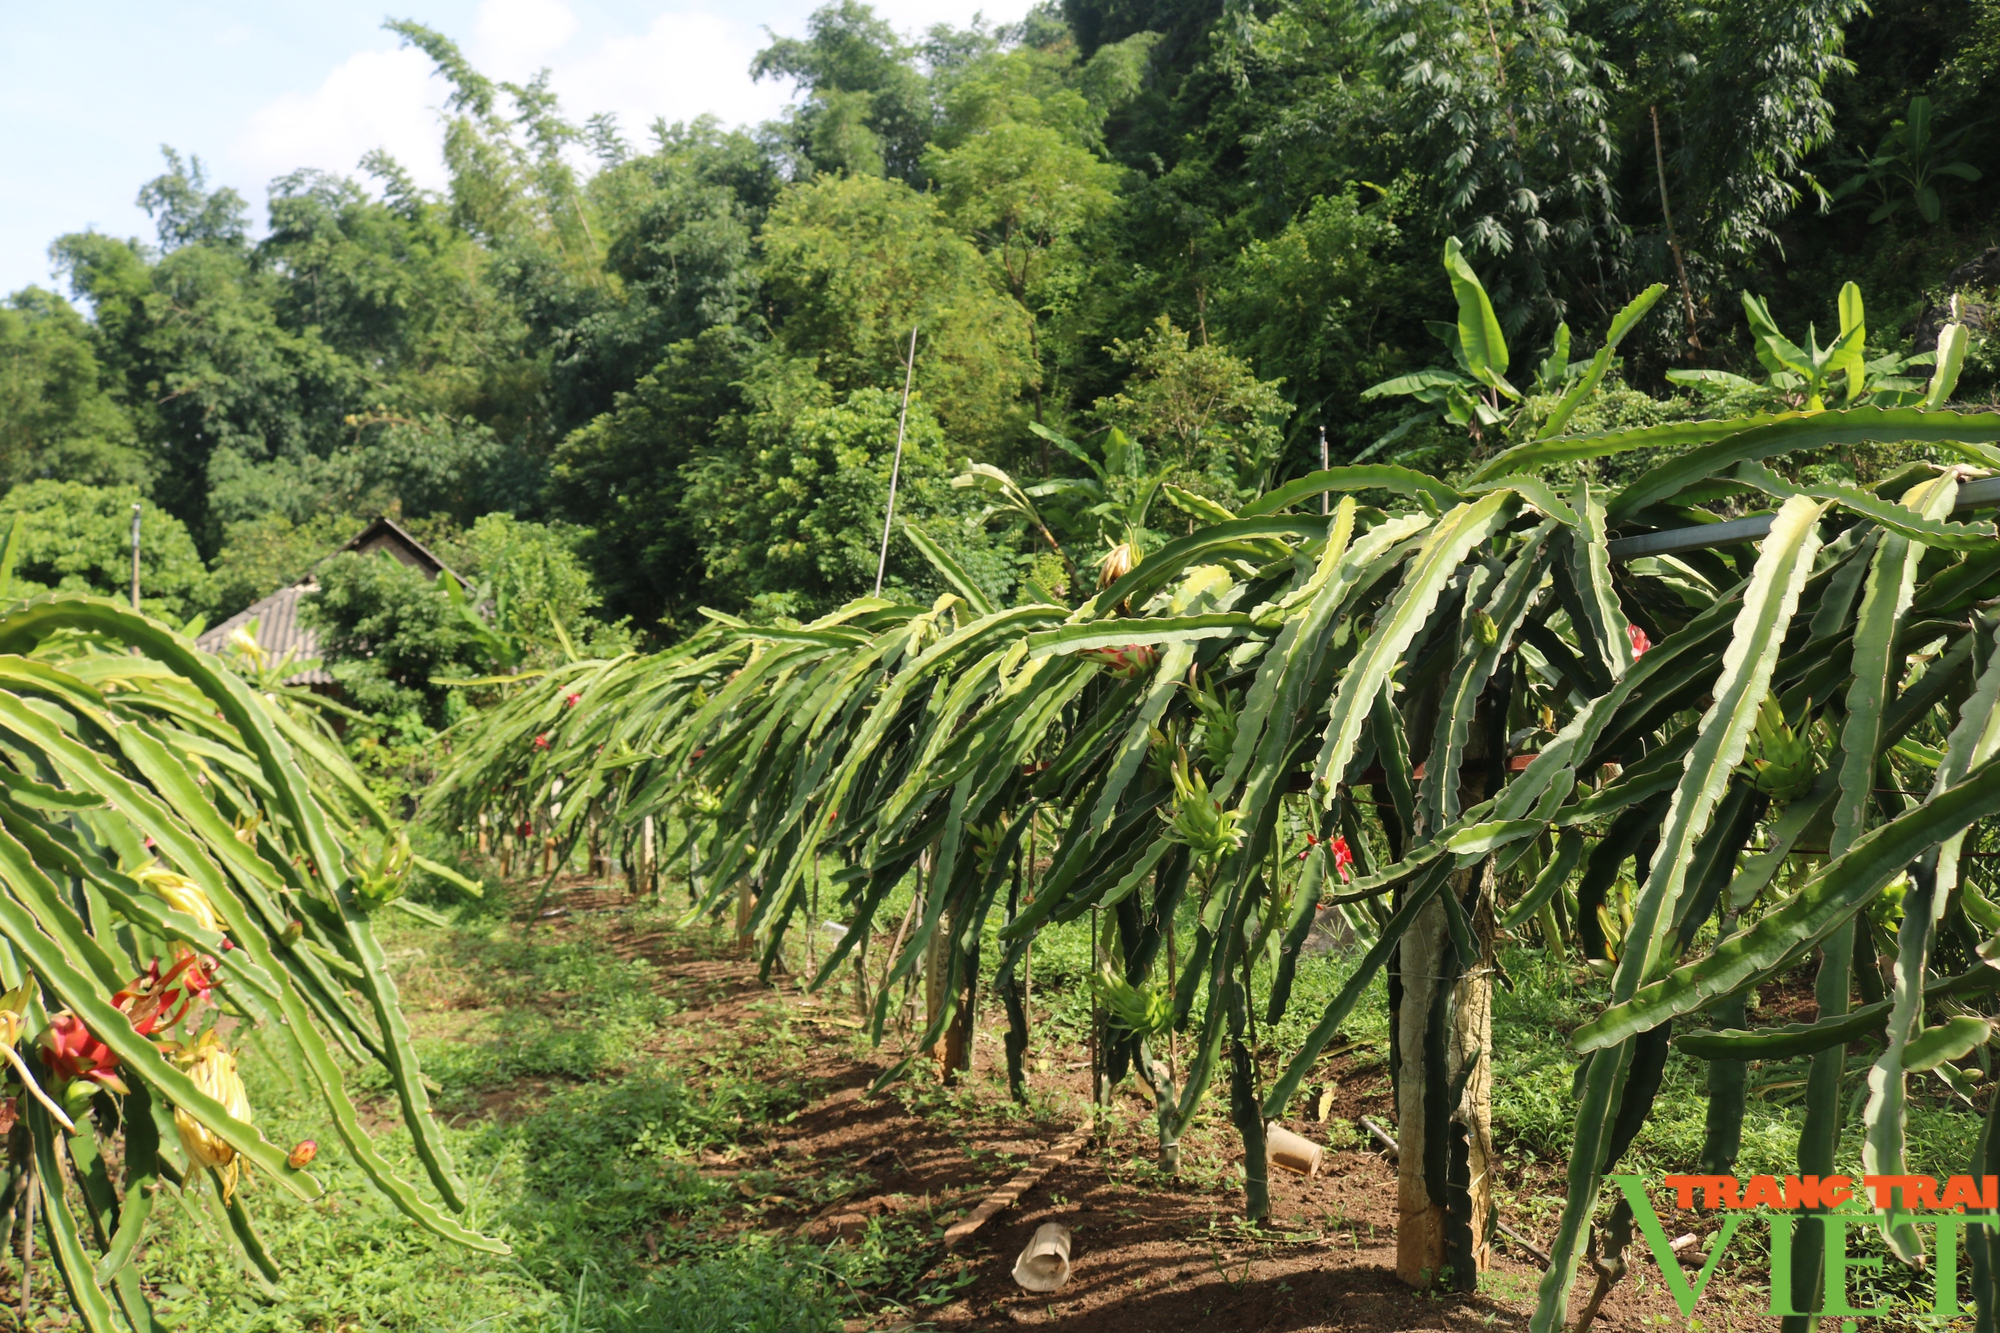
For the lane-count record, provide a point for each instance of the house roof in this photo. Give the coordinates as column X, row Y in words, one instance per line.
column 279, row 628
column 385, row 534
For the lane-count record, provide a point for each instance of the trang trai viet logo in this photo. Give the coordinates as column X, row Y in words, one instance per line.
column 1890, row 1205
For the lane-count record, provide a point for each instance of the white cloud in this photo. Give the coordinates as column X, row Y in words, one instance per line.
column 685, row 62
column 512, row 39
column 684, row 65
column 376, row 99
column 915, row 17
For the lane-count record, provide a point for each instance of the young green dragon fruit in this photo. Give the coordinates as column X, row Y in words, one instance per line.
column 1141, row 1010
column 1198, row 819
column 1780, row 762
column 1218, row 724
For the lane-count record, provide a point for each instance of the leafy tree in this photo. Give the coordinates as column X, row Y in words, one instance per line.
column 240, row 409
column 78, row 538
column 623, row 477
column 1308, row 306
column 57, row 418
column 867, row 110
column 1510, row 110
column 261, row 555
column 679, row 259
column 510, row 178
column 793, row 526
column 388, row 282
column 854, row 263
column 188, row 213
column 1201, row 409
column 1743, row 86
column 386, row 630
column 430, row 463
column 535, row 588
column 1014, row 166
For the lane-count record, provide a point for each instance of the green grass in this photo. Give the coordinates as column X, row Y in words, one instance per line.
column 579, row 1143
column 579, row 1117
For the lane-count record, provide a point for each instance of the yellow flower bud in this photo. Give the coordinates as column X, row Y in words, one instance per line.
column 213, row 1070
column 180, row 893
column 1119, row 561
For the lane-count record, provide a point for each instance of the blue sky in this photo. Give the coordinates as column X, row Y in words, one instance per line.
column 89, row 94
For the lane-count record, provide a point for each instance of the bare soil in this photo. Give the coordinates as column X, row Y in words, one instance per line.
column 1148, row 1253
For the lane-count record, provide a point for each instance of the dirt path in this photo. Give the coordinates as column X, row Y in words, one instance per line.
column 1148, row 1254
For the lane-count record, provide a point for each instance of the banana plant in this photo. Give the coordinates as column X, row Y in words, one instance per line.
column 1476, row 395
column 503, row 649
column 1445, row 720
column 1908, row 167
column 1804, row 376
column 1108, row 508
column 178, row 846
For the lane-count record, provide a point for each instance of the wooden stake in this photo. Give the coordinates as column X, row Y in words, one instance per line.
column 1096, row 1022
column 937, row 967
column 28, row 1231
column 812, row 916
column 897, row 947
column 861, row 1003
column 1673, row 242
column 649, row 873
column 1173, row 988
column 1028, row 949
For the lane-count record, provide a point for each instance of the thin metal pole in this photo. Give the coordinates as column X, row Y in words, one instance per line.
column 1325, row 498
column 896, row 468
column 135, row 556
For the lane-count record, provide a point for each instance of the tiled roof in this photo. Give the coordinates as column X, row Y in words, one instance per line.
column 279, row 630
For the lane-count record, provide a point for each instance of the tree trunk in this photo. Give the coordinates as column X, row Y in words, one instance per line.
column 1443, row 1049
column 1445, row 1032
column 746, row 901
column 958, row 1036
column 937, row 963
